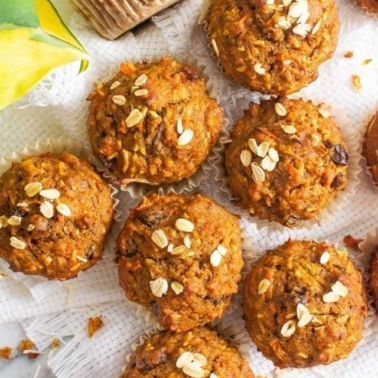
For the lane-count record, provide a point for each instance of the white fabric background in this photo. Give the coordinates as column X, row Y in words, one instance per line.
column 57, row 107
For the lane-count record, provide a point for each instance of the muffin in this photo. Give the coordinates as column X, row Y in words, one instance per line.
column 113, row 18
column 374, row 277
column 180, row 256
column 287, row 160
column 304, row 304
column 55, row 214
column 153, row 122
column 370, row 147
column 371, row 6
column 199, row 352
column 273, row 47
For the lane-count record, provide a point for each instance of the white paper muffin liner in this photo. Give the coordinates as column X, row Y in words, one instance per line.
column 352, row 138
column 40, row 286
column 140, row 189
column 233, row 327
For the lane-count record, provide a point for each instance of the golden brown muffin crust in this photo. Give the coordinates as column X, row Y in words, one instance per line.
column 311, row 166
column 153, row 122
column 374, row 277
column 197, row 290
column 260, row 47
column 64, row 244
column 370, row 147
column 158, row 356
column 371, row 6
column 296, row 274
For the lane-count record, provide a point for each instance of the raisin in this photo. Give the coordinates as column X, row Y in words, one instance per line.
column 339, row 155
column 150, row 219
column 337, row 181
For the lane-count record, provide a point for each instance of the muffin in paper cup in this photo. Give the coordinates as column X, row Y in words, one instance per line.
column 39, row 160
column 197, row 263
column 369, row 148
column 155, row 126
column 259, row 44
column 233, row 326
column 199, row 352
column 113, row 18
column 352, row 140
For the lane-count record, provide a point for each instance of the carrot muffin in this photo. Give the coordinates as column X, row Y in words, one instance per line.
column 374, row 278
column 153, row 122
column 199, row 352
column 304, row 304
column 370, row 147
column 371, row 6
column 181, row 257
column 55, row 213
column 273, row 46
column 287, row 160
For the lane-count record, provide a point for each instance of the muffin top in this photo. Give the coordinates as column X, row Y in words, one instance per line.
column 304, row 304
column 287, row 160
column 55, row 213
column 370, row 147
column 374, row 277
column 181, row 257
column 371, row 6
column 153, row 122
column 199, row 352
column 273, row 46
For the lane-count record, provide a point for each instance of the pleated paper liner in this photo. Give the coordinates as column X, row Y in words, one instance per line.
column 40, row 286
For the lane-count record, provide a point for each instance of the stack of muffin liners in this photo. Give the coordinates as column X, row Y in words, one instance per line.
column 182, row 34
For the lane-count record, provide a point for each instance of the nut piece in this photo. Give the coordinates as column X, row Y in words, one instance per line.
column 50, row 193
column 263, row 286
column 17, row 243
column 159, row 287
column 134, row 118
column 185, row 138
column 215, row 258
column 259, row 69
column 184, row 225
column 177, row 288
column 33, row 188
column 288, row 328
column 63, row 209
column 47, row 209
column 159, row 238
